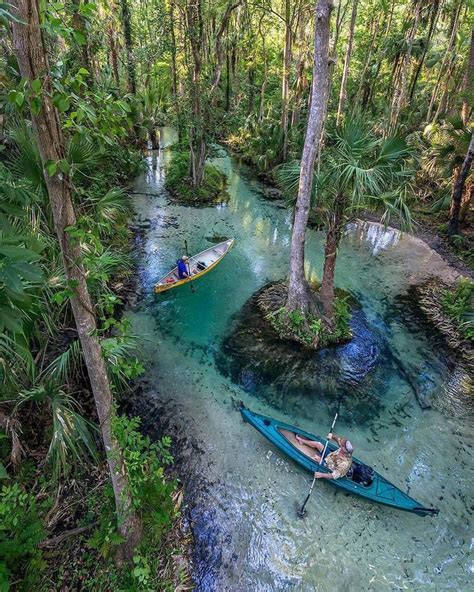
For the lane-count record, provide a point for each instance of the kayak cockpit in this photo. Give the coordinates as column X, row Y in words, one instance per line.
column 309, row 452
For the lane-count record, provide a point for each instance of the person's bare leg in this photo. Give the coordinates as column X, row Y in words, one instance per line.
column 311, row 444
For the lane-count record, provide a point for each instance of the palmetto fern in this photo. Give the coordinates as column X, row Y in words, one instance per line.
column 72, row 434
column 371, row 172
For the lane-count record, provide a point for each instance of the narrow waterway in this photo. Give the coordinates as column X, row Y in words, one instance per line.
column 241, row 494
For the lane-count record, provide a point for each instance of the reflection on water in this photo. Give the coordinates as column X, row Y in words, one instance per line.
column 242, row 495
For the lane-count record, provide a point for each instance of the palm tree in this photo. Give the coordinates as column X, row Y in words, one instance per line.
column 358, row 170
column 445, row 147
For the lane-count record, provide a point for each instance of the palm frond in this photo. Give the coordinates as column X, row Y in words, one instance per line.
column 72, row 435
column 66, row 365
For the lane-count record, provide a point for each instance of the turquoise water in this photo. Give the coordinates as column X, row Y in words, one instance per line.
column 241, row 494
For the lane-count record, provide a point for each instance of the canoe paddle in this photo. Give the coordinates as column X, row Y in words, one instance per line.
column 189, row 265
column 302, row 511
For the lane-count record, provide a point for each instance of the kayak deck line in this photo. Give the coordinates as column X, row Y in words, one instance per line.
column 379, row 491
column 209, row 257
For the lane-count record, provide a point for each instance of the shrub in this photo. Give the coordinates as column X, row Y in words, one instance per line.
column 309, row 330
column 151, row 489
column 458, row 304
column 178, row 182
column 20, row 532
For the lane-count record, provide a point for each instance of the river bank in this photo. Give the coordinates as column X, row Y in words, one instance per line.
column 240, row 495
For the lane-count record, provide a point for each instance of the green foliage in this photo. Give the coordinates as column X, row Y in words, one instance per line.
column 20, row 532
column 145, row 462
column 370, row 171
column 458, row 304
column 71, row 435
column 309, row 330
column 178, row 181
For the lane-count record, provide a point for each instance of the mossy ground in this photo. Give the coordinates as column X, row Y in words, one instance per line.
column 306, row 329
column 212, row 190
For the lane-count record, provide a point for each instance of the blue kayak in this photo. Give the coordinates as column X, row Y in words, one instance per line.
column 379, row 490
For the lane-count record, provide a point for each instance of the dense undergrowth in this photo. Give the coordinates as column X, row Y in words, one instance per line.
column 309, row 331
column 54, row 482
column 211, row 190
column 458, row 304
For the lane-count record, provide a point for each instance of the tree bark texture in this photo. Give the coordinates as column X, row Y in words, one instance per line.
column 335, row 225
column 299, row 296
column 127, row 33
column 30, row 51
column 347, row 59
column 113, row 55
column 285, row 80
column 446, row 60
column 458, row 190
column 401, row 80
column 468, row 90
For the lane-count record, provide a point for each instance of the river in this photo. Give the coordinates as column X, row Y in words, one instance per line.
column 241, row 495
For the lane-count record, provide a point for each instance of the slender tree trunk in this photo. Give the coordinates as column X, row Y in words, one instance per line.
column 265, row 72
column 79, row 25
column 374, row 30
column 467, row 201
column 371, row 84
column 446, row 57
column 340, row 16
column 400, row 82
column 299, row 295
column 458, row 190
column 433, row 21
column 468, row 86
column 197, row 132
column 113, row 56
column 227, row 81
column 32, row 59
column 174, row 74
column 127, row 33
column 345, row 73
column 285, row 80
column 443, row 103
column 335, row 225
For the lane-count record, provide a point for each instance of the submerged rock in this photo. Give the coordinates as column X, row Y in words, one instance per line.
column 286, row 375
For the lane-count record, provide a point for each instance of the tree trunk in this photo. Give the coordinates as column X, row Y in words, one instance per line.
column 227, row 81
column 458, row 190
column 447, row 55
column 265, row 72
column 466, row 201
column 433, row 21
column 32, row 59
column 83, row 50
column 285, row 80
column 468, row 90
column 127, row 33
column 174, row 72
column 113, row 56
column 335, row 225
column 345, row 73
column 154, row 138
column 400, row 82
column 299, row 295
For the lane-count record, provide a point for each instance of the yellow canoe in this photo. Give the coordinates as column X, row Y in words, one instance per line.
column 199, row 265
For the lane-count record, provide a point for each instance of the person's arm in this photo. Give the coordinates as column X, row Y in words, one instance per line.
column 336, row 439
column 319, row 475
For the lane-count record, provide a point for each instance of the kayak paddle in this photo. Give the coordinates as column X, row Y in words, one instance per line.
column 302, row 511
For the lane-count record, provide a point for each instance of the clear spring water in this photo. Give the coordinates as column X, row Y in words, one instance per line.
column 242, row 494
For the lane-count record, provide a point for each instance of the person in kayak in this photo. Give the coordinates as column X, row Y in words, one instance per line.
column 183, row 267
column 338, row 462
